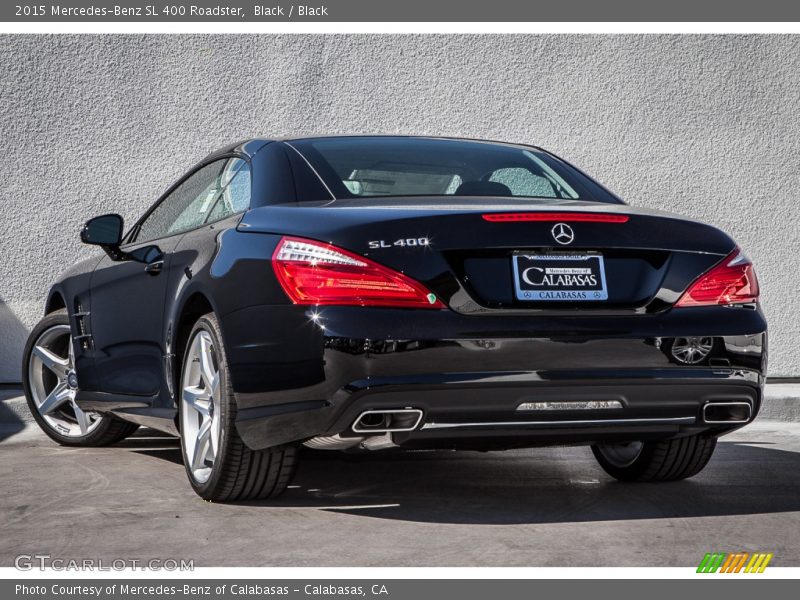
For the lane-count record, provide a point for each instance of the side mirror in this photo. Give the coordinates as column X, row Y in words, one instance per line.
column 104, row 231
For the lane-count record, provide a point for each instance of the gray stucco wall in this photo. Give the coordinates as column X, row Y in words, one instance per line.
column 705, row 126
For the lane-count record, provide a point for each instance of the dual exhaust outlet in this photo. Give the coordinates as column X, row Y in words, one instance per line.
column 408, row 419
column 375, row 428
column 727, row 412
column 388, row 421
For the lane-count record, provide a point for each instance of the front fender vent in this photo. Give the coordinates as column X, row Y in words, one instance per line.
column 82, row 326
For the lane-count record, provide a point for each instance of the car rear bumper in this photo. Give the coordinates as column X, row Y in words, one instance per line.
column 470, row 387
column 483, row 409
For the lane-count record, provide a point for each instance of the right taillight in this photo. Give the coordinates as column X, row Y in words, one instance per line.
column 732, row 281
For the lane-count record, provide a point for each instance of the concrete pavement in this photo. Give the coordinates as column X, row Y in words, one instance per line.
column 543, row 507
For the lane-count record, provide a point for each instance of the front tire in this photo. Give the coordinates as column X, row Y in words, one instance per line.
column 50, row 384
column 219, row 465
column 665, row 460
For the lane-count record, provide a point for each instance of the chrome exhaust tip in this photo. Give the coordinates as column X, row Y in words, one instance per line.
column 388, row 421
column 727, row 412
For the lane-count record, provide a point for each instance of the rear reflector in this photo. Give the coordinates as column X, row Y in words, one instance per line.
column 312, row 272
column 732, row 281
column 567, row 217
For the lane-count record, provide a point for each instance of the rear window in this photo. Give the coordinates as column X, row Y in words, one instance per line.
column 369, row 167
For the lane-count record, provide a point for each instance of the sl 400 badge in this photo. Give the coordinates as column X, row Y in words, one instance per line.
column 375, row 244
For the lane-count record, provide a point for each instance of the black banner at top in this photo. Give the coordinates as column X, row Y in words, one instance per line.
column 400, row 11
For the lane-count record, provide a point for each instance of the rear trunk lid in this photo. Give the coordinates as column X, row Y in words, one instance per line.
column 483, row 254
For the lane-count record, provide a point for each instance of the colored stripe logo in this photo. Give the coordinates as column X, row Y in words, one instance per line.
column 738, row 562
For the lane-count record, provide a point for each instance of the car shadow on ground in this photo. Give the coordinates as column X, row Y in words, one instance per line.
column 533, row 486
column 10, row 422
column 150, row 442
column 14, row 334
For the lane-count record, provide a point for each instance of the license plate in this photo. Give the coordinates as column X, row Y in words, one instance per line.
column 559, row 277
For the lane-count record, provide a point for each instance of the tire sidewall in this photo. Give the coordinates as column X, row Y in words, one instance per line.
column 224, row 404
column 673, row 459
column 631, row 472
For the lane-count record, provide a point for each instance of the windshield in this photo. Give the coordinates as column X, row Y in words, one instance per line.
column 368, row 167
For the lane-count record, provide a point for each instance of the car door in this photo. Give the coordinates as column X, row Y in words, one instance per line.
column 127, row 296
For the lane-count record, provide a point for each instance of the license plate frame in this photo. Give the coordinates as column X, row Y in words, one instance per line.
column 565, row 277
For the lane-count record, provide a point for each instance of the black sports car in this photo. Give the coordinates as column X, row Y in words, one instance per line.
column 381, row 292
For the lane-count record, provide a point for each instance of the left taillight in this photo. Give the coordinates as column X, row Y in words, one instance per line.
column 316, row 273
column 732, row 281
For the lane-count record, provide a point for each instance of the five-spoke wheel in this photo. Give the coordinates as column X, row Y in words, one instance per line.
column 200, row 420
column 51, row 387
column 53, row 383
column 219, row 465
column 691, row 350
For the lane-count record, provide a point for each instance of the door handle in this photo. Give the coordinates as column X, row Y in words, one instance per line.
column 154, row 268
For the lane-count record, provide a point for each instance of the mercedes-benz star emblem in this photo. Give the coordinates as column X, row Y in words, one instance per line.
column 562, row 233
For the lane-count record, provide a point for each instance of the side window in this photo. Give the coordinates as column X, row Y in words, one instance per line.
column 191, row 203
column 235, row 196
column 187, row 205
column 522, row 182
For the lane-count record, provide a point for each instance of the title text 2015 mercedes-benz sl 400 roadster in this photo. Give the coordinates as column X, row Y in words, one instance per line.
column 375, row 292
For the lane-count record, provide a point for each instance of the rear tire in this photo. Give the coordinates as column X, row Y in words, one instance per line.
column 50, row 385
column 219, row 465
column 665, row 460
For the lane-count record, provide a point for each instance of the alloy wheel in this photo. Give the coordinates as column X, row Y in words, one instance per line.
column 200, row 418
column 692, row 350
column 54, row 384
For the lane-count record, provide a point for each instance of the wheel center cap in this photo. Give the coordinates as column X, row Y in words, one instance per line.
column 72, row 380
